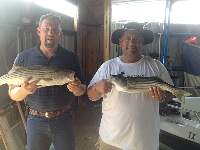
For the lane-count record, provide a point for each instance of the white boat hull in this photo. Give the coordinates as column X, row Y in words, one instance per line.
column 179, row 132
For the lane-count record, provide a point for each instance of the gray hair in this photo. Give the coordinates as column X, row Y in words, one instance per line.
column 50, row 16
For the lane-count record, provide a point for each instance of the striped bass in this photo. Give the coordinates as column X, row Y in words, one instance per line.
column 47, row 76
column 142, row 84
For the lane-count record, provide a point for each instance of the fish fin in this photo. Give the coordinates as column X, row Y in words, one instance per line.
column 47, row 79
column 2, row 79
column 44, row 82
column 14, row 68
column 122, row 73
column 40, row 86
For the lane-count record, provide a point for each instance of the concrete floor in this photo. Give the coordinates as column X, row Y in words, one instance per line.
column 87, row 119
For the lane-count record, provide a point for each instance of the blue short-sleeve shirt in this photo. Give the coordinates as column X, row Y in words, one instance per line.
column 54, row 97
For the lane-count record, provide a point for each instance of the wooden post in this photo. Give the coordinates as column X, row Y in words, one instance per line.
column 107, row 26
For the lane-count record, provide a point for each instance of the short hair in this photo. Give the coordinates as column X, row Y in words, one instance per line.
column 51, row 16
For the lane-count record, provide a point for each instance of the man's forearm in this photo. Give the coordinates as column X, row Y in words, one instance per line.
column 18, row 93
column 93, row 94
column 81, row 90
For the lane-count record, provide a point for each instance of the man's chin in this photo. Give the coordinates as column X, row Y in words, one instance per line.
column 131, row 50
column 50, row 45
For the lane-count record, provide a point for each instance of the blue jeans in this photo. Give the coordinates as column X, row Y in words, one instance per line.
column 41, row 132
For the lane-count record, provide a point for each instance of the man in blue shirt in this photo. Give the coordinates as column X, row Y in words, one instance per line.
column 49, row 118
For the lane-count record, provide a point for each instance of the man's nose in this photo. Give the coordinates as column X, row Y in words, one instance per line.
column 132, row 40
column 50, row 32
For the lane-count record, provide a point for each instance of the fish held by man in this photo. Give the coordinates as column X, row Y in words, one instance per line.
column 132, row 84
column 47, row 76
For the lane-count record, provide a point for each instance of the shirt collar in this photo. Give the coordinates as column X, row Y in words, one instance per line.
column 38, row 51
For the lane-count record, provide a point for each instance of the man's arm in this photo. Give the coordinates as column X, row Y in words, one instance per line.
column 93, row 93
column 76, row 87
column 19, row 93
column 157, row 94
column 99, row 89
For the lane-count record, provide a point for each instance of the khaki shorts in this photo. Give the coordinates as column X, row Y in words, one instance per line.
column 100, row 145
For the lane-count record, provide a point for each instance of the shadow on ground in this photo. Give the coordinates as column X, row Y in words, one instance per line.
column 87, row 119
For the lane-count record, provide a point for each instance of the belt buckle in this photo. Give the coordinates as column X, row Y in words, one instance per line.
column 46, row 114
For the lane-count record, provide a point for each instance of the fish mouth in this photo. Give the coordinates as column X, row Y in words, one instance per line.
column 72, row 76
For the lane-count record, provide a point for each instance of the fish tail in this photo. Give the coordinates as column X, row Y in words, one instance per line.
column 72, row 76
column 2, row 80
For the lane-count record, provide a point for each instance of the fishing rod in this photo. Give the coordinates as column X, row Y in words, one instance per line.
column 190, row 87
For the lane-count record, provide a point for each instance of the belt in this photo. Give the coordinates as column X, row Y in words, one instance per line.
column 49, row 114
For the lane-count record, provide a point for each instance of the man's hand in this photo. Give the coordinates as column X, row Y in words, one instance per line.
column 99, row 89
column 103, row 87
column 76, row 87
column 19, row 93
column 29, row 86
column 157, row 94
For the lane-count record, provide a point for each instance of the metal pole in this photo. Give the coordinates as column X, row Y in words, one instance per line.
column 166, row 32
column 21, row 114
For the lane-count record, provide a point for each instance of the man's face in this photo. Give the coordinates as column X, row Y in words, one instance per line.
column 49, row 32
column 131, row 42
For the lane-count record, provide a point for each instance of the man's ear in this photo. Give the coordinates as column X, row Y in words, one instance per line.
column 120, row 42
column 38, row 31
column 61, row 34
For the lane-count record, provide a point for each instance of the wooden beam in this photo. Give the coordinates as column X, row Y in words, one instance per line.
column 107, row 26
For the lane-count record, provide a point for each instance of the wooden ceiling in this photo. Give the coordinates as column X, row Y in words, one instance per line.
column 119, row 1
column 73, row 1
column 124, row 1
